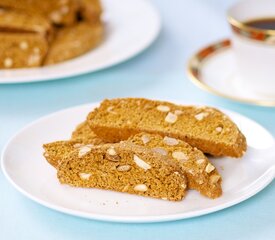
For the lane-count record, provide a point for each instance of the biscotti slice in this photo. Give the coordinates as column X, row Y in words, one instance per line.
column 124, row 168
column 91, row 10
column 22, row 50
column 73, row 41
column 206, row 128
column 84, row 132
column 201, row 174
column 55, row 151
column 24, row 22
column 59, row 12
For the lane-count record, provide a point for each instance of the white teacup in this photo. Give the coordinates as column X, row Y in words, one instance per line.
column 254, row 48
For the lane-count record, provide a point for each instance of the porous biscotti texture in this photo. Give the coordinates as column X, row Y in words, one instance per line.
column 55, row 151
column 123, row 167
column 24, row 22
column 59, row 12
column 91, row 10
column 84, row 133
column 201, row 174
column 22, row 50
column 206, row 128
column 73, row 41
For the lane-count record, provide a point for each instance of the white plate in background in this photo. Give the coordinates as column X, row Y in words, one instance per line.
column 131, row 26
column 25, row 167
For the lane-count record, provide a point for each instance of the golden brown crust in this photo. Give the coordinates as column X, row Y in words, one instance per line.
column 201, row 174
column 123, row 167
column 74, row 41
column 206, row 128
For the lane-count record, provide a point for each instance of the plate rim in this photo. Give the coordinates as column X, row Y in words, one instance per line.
column 259, row 184
column 26, row 79
column 202, row 85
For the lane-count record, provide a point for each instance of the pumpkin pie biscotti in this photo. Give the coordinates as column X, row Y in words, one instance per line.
column 73, row 41
column 206, row 128
column 201, row 174
column 22, row 50
column 123, row 167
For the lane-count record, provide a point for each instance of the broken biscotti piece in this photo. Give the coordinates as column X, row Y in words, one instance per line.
column 206, row 128
column 123, row 167
column 22, row 50
column 73, row 41
column 201, row 174
column 59, row 12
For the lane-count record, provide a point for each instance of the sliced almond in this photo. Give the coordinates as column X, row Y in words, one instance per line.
column 23, row 45
column 178, row 112
column 159, row 150
column 200, row 161
column 141, row 163
column 145, row 139
column 85, row 176
column 214, row 179
column 141, row 188
column 124, row 168
column 209, row 168
column 78, row 145
column 170, row 141
column 112, row 155
column 163, row 108
column 201, row 116
column 111, row 151
column 8, row 62
column 218, row 129
column 171, row 118
column 84, row 150
column 179, row 156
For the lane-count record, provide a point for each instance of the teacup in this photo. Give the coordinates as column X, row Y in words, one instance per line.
column 254, row 46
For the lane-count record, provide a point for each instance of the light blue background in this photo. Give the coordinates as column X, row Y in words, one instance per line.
column 159, row 72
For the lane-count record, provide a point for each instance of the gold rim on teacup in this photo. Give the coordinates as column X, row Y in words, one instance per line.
column 242, row 29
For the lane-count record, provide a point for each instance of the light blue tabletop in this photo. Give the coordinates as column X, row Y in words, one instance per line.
column 159, row 72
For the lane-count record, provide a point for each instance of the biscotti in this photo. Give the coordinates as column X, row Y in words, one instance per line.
column 206, row 128
column 22, row 50
column 125, row 168
column 24, row 22
column 54, row 152
column 201, row 174
column 73, row 41
column 91, row 10
column 59, row 12
column 84, row 133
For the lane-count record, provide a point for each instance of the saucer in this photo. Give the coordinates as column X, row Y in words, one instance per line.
column 213, row 69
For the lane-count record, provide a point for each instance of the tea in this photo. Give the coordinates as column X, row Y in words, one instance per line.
column 266, row 24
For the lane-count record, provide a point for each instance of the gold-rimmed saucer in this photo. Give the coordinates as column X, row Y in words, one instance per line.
column 214, row 69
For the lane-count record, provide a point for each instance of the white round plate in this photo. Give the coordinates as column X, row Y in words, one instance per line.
column 131, row 26
column 25, row 167
column 214, row 69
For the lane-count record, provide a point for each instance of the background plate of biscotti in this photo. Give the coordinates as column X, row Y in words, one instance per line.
column 25, row 167
column 125, row 35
